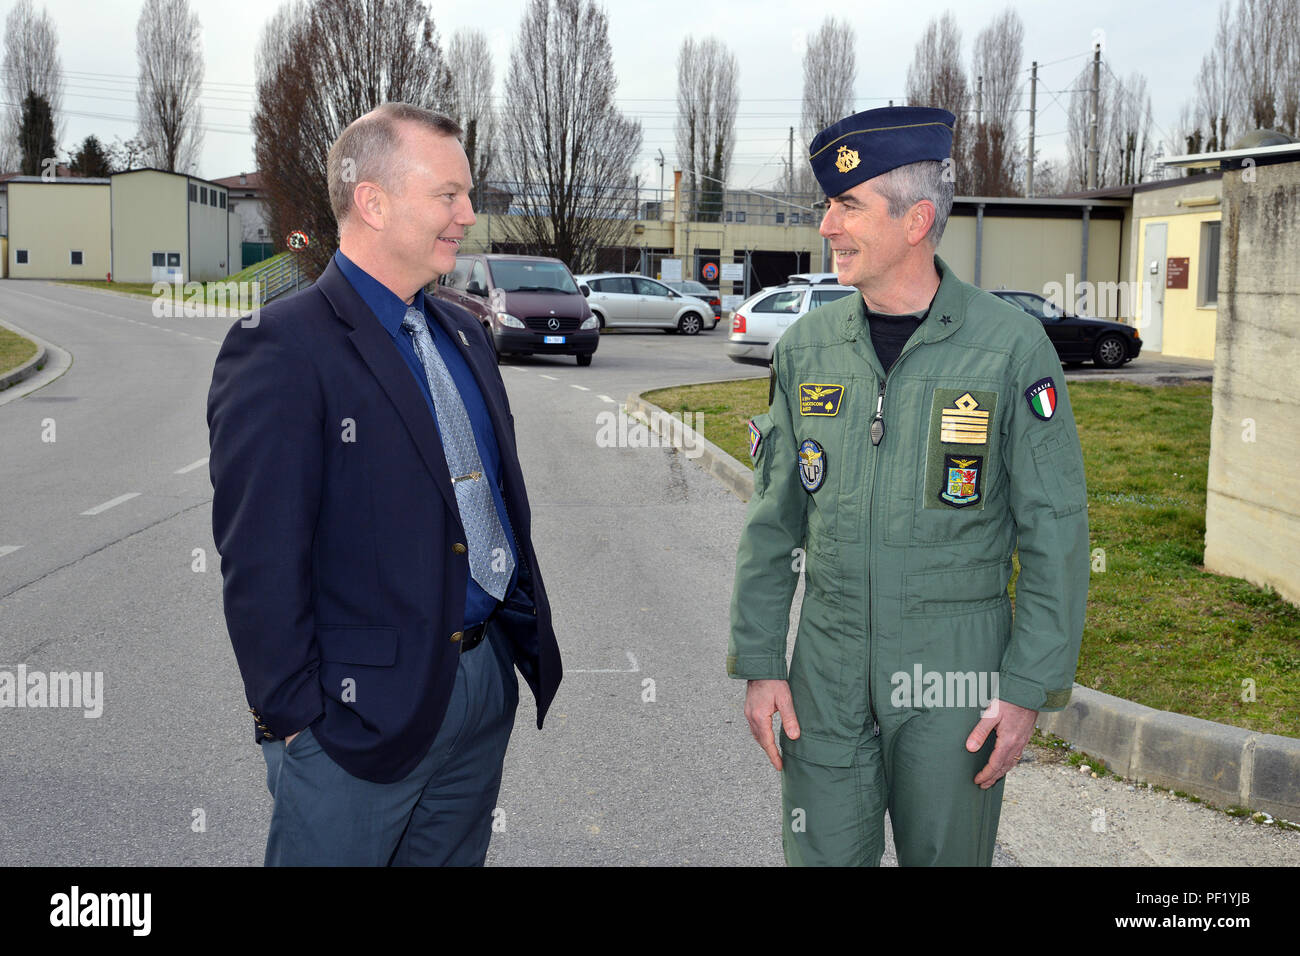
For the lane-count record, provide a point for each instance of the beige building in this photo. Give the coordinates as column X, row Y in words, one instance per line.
column 142, row 225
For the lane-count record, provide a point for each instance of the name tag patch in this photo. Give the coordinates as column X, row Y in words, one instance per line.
column 820, row 400
column 812, row 465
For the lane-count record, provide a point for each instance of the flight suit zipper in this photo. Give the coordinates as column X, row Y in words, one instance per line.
column 877, row 432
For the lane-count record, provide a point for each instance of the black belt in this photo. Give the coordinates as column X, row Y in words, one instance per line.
column 472, row 637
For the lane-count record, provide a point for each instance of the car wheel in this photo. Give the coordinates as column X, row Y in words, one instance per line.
column 599, row 318
column 584, row 358
column 1110, row 351
column 690, row 324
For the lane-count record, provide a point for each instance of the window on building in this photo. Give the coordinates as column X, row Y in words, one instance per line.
column 212, row 198
column 740, row 216
column 74, row 257
column 223, row 200
column 194, row 193
column 795, row 219
column 780, row 218
column 20, row 256
column 203, row 195
column 728, row 215
column 160, row 258
column 1207, row 288
column 173, row 260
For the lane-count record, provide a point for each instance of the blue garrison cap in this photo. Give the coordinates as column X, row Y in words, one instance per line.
column 864, row 145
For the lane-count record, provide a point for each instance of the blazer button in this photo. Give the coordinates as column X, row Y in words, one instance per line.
column 269, row 736
column 458, row 548
column 457, row 636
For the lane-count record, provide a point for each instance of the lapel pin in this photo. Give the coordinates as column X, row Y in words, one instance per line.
column 463, row 341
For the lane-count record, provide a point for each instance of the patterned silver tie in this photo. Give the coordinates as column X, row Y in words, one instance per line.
column 490, row 560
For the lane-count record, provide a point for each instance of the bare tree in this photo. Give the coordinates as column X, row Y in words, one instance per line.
column 1218, row 87
column 31, row 65
column 936, row 78
column 1258, row 55
column 571, row 150
column 1288, row 119
column 995, row 155
column 1123, row 128
column 1131, row 128
column 169, row 47
column 830, row 73
column 469, row 65
column 378, row 51
column 707, row 98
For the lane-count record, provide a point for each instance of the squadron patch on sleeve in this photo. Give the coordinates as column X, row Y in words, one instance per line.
column 1041, row 397
column 823, row 400
column 961, row 486
column 812, row 465
column 755, row 439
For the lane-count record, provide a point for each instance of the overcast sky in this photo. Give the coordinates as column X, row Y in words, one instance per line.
column 1164, row 39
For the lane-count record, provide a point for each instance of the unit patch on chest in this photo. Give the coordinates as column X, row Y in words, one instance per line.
column 963, row 425
column 823, row 400
column 812, row 465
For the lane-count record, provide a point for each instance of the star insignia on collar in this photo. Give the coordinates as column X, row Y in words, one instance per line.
column 946, row 319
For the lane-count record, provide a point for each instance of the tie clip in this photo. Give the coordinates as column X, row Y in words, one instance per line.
column 475, row 475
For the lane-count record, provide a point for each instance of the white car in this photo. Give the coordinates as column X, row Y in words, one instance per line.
column 631, row 301
column 760, row 321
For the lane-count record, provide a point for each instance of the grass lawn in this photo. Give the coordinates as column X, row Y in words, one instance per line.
column 146, row 288
column 1160, row 629
column 14, row 350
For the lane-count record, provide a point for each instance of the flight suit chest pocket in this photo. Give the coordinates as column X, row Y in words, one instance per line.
column 957, row 467
column 827, row 456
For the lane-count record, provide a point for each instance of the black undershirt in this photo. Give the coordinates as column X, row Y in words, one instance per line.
column 889, row 333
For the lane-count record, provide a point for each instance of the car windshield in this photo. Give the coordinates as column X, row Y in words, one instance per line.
column 519, row 275
column 1035, row 305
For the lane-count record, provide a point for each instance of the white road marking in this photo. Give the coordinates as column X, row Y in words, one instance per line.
column 581, row 388
column 551, row 377
column 190, row 467
column 111, row 504
column 8, row 549
column 636, row 668
column 606, row 398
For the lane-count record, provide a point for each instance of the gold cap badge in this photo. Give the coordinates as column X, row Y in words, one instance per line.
column 847, row 159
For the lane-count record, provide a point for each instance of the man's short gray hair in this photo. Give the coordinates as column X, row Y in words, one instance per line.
column 905, row 186
column 369, row 150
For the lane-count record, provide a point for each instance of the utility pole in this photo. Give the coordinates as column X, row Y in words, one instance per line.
column 661, row 184
column 636, row 183
column 1033, row 115
column 1092, row 124
column 790, row 176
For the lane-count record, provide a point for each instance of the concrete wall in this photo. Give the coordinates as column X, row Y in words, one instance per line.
column 149, row 215
column 49, row 220
column 1188, row 326
column 208, row 239
column 1252, row 516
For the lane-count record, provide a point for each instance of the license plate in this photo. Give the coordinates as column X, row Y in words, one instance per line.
column 553, row 339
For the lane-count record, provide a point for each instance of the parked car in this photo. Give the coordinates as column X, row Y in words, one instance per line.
column 529, row 304
column 700, row 291
column 1078, row 338
column 762, row 319
column 619, row 300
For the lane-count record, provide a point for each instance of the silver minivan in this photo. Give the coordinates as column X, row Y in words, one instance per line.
column 631, row 301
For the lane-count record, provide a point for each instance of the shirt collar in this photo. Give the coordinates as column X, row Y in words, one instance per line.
column 382, row 301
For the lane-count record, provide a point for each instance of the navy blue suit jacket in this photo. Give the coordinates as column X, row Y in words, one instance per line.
column 340, row 539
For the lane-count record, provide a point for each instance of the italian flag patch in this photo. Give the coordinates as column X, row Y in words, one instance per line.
column 1041, row 397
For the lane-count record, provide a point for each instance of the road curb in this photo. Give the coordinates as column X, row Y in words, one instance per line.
column 738, row 479
column 27, row 369
column 1223, row 765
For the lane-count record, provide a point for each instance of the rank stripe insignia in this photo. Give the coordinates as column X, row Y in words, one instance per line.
column 1041, row 397
column 822, row 400
column 964, row 422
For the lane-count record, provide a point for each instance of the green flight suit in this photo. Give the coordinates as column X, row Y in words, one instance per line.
column 906, row 549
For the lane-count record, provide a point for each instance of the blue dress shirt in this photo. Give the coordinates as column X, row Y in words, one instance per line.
column 390, row 310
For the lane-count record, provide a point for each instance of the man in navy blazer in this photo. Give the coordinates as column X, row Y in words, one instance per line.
column 379, row 671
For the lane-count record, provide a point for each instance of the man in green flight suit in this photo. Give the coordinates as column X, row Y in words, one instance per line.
column 918, row 434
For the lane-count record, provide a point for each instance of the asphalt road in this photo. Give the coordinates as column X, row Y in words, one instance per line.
column 636, row 545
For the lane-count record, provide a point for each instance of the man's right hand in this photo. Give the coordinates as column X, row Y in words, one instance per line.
column 288, row 740
column 763, row 698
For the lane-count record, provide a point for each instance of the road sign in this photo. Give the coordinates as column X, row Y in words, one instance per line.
column 710, row 272
column 733, row 272
column 297, row 240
